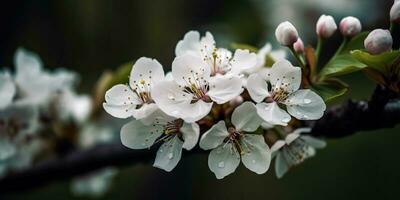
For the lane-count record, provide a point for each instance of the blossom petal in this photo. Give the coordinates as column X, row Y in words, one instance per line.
column 292, row 137
column 224, row 88
column 223, row 160
column 243, row 60
column 284, row 74
column 169, row 154
column 214, row 136
column 277, row 146
column 195, row 111
column 189, row 44
column 190, row 133
column 245, row 117
column 257, row 155
column 136, row 135
column 145, row 111
column 171, row 98
column 26, row 62
column 7, row 90
column 314, row 142
column 281, row 165
column 208, row 43
column 189, row 69
column 145, row 73
column 257, row 88
column 121, row 101
column 305, row 105
column 273, row 114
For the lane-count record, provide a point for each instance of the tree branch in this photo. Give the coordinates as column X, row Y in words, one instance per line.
column 339, row 121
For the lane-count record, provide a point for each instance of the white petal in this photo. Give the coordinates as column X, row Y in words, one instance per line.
column 157, row 117
column 314, row 142
column 283, row 74
column 7, row 90
column 190, row 133
column 257, row 155
column 145, row 111
column 243, row 60
column 292, row 137
column 273, row 114
column 189, row 44
column 136, row 135
column 208, row 43
column 277, row 145
column 168, row 76
column 170, row 98
column 281, row 165
column 188, row 69
column 145, row 73
column 245, row 117
column 214, row 136
column 195, row 111
column 120, row 101
column 169, row 154
column 305, row 105
column 26, row 62
column 223, row 160
column 265, row 125
column 224, row 88
column 257, row 88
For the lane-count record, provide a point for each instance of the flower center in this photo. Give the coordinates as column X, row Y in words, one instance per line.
column 297, row 151
column 218, row 61
column 196, row 85
column 234, row 138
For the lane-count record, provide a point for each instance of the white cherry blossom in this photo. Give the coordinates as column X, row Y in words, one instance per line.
column 279, row 86
column 294, row 149
column 123, row 101
column 219, row 60
column 175, row 133
column 7, row 89
column 230, row 145
column 191, row 93
column 262, row 54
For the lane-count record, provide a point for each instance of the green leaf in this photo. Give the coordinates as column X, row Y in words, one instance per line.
column 244, row 46
column 330, row 89
column 342, row 64
column 381, row 62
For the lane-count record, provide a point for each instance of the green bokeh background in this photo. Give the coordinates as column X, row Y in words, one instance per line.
column 91, row 36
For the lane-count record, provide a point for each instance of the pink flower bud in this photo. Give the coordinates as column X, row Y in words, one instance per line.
column 395, row 12
column 286, row 34
column 326, row 26
column 378, row 41
column 350, row 26
column 299, row 46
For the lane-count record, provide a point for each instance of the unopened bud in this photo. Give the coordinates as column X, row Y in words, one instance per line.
column 286, row 34
column 326, row 26
column 395, row 12
column 298, row 46
column 350, row 26
column 378, row 41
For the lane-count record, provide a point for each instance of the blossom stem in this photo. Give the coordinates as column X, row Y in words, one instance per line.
column 297, row 57
column 320, row 43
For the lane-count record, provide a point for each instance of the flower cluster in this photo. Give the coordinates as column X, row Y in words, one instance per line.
column 184, row 105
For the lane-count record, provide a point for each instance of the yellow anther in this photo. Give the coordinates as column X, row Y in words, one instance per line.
column 142, row 82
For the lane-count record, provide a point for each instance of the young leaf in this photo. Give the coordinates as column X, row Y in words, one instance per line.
column 382, row 62
column 342, row 64
column 330, row 89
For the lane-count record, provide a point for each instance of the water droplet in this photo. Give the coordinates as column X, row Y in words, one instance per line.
column 286, row 120
column 221, row 164
column 305, row 116
column 171, row 97
column 143, row 144
column 253, row 161
column 267, row 108
column 170, row 156
column 175, row 112
column 307, row 101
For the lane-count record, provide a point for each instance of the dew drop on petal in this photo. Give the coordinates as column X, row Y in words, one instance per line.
column 175, row 112
column 171, row 97
column 221, row 164
column 307, row 101
column 267, row 108
column 170, row 156
column 143, row 144
column 253, row 161
column 161, row 150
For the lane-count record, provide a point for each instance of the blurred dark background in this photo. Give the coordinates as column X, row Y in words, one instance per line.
column 91, row 36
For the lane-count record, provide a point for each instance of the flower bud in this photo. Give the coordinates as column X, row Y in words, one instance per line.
column 326, row 26
column 395, row 12
column 286, row 34
column 378, row 41
column 350, row 26
column 298, row 46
